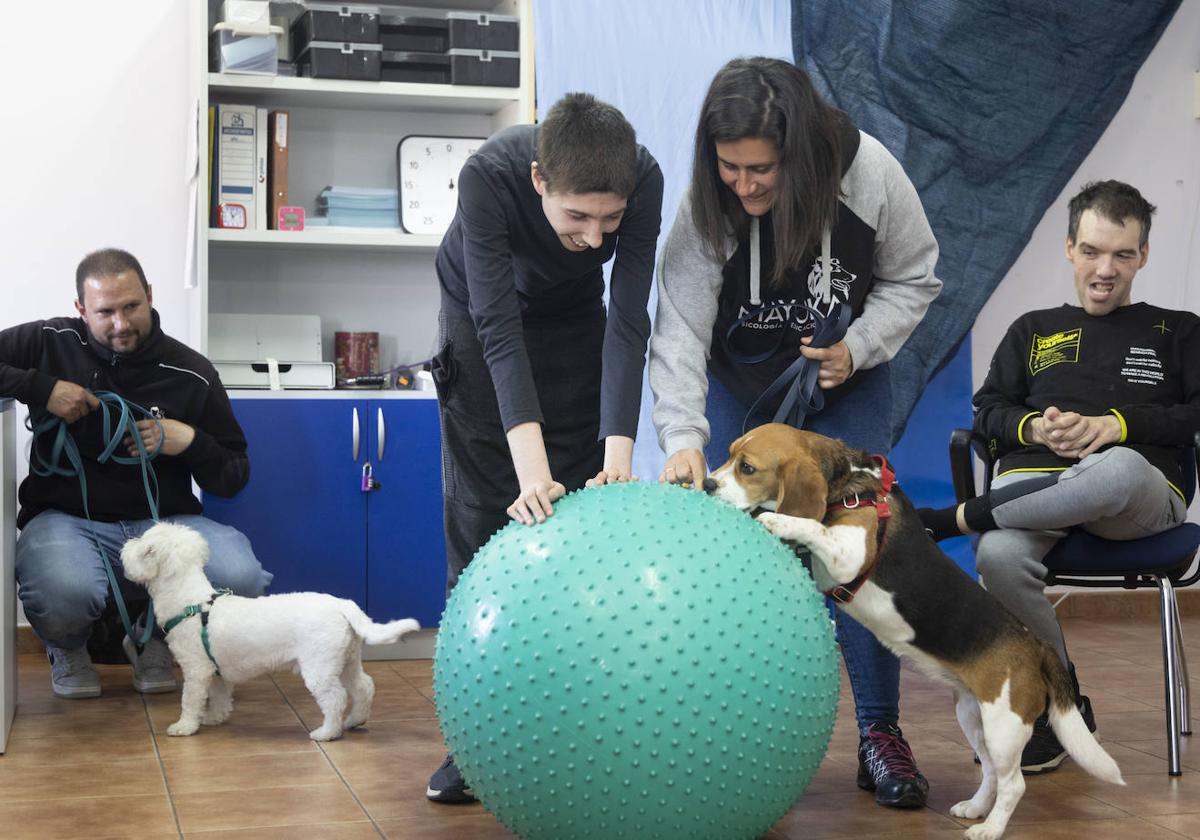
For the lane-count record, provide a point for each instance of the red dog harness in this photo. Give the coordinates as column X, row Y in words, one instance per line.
column 844, row 593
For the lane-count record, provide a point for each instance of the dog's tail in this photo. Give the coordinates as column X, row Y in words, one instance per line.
column 376, row 634
column 1068, row 723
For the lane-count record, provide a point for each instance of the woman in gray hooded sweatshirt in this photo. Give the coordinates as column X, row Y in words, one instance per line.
column 800, row 238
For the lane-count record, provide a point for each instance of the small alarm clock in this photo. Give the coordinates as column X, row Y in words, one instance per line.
column 231, row 215
column 290, row 218
column 427, row 169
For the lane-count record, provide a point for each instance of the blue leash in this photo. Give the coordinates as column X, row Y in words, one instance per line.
column 798, row 384
column 114, row 432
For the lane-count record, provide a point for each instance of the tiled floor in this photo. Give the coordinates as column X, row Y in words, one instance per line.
column 105, row 768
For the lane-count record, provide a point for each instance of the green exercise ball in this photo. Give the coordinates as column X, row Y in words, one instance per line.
column 647, row 663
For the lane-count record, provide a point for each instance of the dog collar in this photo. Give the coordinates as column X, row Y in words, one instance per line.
column 201, row 610
column 887, row 477
column 844, row 593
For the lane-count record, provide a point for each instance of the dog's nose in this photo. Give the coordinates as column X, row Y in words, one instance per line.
column 709, row 486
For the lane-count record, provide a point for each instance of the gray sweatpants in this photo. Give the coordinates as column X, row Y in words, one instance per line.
column 1115, row 494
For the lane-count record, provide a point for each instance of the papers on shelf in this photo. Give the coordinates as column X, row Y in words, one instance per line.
column 359, row 207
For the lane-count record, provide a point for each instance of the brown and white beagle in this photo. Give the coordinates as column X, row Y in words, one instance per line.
column 871, row 554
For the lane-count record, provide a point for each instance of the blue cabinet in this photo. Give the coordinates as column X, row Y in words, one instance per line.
column 311, row 523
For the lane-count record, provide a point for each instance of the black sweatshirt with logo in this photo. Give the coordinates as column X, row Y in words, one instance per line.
column 1140, row 363
column 164, row 376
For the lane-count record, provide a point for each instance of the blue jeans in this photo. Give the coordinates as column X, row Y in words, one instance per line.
column 61, row 577
column 863, row 420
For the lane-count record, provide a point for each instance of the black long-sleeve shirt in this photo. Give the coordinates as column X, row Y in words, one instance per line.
column 502, row 265
column 162, row 374
column 1140, row 363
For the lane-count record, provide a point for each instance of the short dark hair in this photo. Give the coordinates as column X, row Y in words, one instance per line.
column 773, row 100
column 1115, row 201
column 107, row 262
column 587, row 146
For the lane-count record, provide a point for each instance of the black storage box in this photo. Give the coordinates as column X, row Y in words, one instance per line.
column 331, row 60
column 485, row 67
column 335, row 22
column 459, row 67
column 471, row 31
column 424, row 67
column 405, row 33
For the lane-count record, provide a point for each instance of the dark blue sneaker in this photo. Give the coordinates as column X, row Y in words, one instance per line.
column 887, row 767
column 448, row 785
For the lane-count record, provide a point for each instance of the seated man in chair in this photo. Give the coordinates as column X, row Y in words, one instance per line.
column 1087, row 409
column 55, row 367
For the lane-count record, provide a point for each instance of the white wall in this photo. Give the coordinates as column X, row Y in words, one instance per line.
column 1152, row 143
column 93, row 151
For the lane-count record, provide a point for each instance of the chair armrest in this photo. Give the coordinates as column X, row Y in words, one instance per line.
column 964, row 443
column 962, row 470
column 1189, row 493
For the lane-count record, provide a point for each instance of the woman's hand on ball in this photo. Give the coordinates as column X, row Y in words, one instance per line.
column 534, row 503
column 685, row 467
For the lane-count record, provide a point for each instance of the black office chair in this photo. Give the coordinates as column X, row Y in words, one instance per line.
column 1082, row 559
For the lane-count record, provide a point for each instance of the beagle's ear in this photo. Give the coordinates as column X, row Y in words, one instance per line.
column 803, row 490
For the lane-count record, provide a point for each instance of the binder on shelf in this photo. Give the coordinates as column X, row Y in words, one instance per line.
column 212, row 166
column 262, row 196
column 235, row 171
column 277, row 164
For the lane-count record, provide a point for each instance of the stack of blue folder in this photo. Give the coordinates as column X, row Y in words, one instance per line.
column 359, row 207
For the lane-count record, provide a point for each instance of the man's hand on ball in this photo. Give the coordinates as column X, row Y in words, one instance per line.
column 535, row 502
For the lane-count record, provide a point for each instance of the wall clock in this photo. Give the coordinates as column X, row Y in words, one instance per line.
column 427, row 169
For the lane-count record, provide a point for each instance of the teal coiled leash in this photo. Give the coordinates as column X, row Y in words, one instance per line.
column 63, row 445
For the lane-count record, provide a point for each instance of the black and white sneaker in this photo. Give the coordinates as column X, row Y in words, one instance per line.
column 448, row 785
column 1044, row 753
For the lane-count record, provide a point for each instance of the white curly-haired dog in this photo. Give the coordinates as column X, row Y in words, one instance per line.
column 318, row 635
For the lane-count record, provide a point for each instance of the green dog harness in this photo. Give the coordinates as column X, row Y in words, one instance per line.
column 201, row 610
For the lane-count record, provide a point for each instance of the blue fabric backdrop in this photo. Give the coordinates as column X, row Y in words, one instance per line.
column 990, row 107
column 654, row 61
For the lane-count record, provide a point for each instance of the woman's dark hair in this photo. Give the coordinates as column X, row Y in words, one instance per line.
column 774, row 100
column 587, row 146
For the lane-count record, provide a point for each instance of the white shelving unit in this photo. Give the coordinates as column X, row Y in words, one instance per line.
column 342, row 133
column 367, row 239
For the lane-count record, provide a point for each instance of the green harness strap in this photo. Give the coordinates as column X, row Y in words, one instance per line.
column 201, row 610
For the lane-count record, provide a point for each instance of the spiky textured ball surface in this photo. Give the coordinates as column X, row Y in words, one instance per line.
column 648, row 663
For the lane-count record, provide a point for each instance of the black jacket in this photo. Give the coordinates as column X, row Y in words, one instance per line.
column 1140, row 363
column 162, row 374
column 502, row 265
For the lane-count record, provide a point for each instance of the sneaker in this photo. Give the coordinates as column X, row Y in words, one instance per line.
column 448, row 785
column 71, row 672
column 1044, row 753
column 153, row 668
column 886, row 766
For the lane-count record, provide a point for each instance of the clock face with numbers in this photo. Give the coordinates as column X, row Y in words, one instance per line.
column 428, row 170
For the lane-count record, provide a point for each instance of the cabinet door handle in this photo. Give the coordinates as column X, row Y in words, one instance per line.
column 382, row 434
column 354, row 453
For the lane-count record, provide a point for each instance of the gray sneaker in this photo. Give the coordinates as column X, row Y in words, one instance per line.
column 71, row 672
column 153, row 668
